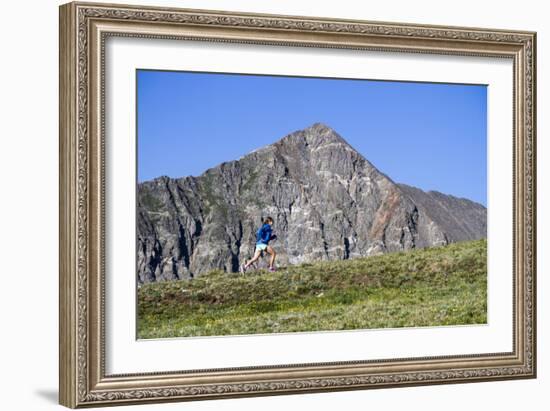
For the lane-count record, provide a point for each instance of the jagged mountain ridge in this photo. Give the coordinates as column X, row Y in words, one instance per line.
column 327, row 200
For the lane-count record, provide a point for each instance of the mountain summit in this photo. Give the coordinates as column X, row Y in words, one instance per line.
column 327, row 200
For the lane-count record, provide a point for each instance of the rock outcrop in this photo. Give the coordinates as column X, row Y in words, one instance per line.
column 327, row 200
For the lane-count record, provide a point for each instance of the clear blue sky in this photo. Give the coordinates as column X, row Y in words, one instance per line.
column 432, row 136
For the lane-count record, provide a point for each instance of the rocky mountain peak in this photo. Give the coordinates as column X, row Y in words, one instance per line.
column 327, row 200
column 315, row 136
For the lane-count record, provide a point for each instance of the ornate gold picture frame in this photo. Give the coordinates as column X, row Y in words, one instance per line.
column 84, row 30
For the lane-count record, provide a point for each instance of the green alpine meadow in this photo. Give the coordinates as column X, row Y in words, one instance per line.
column 436, row 286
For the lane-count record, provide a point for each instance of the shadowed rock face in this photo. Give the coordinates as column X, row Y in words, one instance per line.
column 327, row 200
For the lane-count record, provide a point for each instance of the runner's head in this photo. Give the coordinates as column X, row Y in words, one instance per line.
column 268, row 220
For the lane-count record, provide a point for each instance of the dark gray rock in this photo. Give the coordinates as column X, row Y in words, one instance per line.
column 327, row 200
column 460, row 219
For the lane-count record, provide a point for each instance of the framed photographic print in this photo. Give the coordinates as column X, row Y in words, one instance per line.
column 260, row 204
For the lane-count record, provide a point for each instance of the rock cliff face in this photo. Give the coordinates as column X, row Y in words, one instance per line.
column 327, row 200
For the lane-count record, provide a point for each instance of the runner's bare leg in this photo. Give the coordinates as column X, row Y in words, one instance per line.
column 273, row 254
column 257, row 255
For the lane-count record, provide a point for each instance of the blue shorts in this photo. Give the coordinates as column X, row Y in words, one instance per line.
column 261, row 247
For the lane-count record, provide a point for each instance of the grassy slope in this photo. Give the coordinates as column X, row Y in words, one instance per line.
column 436, row 286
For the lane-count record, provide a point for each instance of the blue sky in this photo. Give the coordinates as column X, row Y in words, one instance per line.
column 432, row 136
